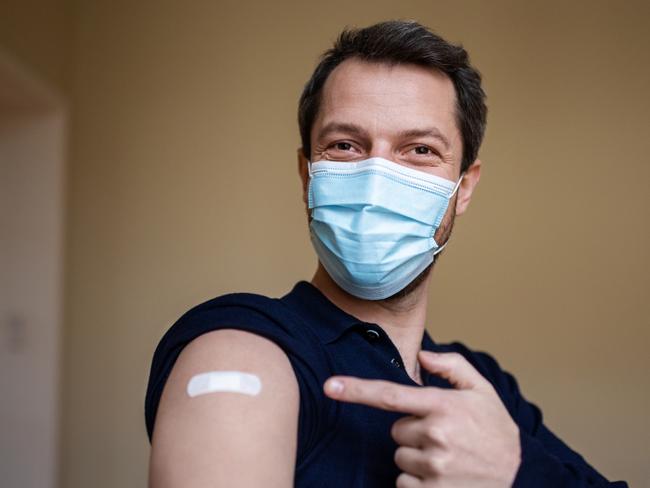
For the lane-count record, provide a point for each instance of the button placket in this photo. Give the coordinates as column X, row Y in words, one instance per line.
column 375, row 336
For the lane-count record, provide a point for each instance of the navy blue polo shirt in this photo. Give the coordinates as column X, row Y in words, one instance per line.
column 348, row 445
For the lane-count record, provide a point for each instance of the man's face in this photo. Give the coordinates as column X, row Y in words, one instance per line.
column 403, row 113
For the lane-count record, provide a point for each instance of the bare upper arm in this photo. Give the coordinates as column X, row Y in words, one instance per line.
column 227, row 439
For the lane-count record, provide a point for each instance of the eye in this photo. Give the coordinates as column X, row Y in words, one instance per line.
column 341, row 150
column 342, row 146
column 424, row 150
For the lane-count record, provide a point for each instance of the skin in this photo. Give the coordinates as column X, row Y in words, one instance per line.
column 209, row 440
column 461, row 437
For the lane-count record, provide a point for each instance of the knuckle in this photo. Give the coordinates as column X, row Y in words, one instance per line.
column 444, row 465
column 444, row 403
column 433, row 433
column 455, row 359
column 431, row 465
column 437, row 465
column 355, row 389
column 444, row 436
column 389, row 398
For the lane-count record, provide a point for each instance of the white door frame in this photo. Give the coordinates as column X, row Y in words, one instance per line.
column 32, row 173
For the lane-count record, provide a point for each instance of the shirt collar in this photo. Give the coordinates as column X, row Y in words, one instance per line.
column 330, row 322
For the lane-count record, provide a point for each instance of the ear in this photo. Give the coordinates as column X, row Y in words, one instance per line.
column 466, row 188
column 304, row 173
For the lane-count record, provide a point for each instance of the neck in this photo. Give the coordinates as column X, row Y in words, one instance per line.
column 402, row 319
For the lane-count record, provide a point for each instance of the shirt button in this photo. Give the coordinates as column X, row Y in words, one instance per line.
column 372, row 335
column 395, row 362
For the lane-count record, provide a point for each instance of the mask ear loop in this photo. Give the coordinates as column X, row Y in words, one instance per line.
column 450, row 196
column 457, row 185
column 309, row 171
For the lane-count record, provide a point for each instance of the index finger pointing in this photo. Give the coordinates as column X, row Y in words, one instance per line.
column 385, row 395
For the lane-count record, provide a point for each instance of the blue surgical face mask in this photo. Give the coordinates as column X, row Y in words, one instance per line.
column 373, row 222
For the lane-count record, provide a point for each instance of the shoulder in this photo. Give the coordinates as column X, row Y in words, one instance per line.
column 256, row 313
column 244, row 327
column 232, row 350
column 190, row 427
column 237, row 349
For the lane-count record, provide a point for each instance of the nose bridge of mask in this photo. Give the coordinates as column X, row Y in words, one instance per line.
column 398, row 170
column 380, row 184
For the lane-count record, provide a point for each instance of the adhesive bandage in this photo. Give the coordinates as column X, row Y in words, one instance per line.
column 232, row 381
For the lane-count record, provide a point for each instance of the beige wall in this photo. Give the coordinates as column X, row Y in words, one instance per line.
column 39, row 34
column 182, row 186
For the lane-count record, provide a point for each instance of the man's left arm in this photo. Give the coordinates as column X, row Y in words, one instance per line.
column 481, row 432
column 545, row 459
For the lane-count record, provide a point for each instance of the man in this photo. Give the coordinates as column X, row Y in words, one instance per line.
column 338, row 382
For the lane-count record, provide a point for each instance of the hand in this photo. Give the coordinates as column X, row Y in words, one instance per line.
column 461, row 437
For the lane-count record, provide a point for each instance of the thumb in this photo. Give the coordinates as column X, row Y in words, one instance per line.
column 453, row 367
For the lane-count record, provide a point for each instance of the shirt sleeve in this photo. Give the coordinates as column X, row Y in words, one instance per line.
column 265, row 317
column 545, row 459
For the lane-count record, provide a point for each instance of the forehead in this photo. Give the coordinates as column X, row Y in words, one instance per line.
column 385, row 98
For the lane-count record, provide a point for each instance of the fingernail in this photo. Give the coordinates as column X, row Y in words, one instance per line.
column 334, row 386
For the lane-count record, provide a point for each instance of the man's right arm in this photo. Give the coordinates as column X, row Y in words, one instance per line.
column 226, row 439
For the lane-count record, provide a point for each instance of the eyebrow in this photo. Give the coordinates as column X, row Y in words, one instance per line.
column 342, row 127
column 357, row 130
column 428, row 132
